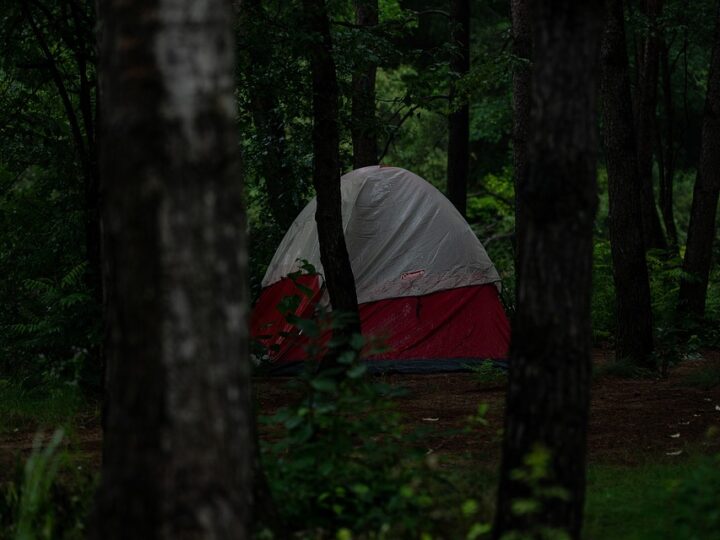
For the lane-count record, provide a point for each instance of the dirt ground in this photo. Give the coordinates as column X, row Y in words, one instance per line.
column 632, row 420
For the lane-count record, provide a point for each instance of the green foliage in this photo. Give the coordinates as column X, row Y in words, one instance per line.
column 48, row 318
column 623, row 369
column 603, row 297
column 665, row 500
column 342, row 465
column 50, row 499
column 26, row 406
column 489, row 373
column 342, row 461
column 706, row 377
column 535, row 475
column 34, row 514
column 696, row 496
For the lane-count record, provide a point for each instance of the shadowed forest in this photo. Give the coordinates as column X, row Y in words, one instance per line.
column 359, row 269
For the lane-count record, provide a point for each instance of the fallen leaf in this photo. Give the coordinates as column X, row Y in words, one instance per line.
column 430, row 419
column 674, row 453
column 675, row 436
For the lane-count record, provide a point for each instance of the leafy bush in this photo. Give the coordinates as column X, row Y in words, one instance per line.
column 341, row 460
column 340, row 463
column 49, row 320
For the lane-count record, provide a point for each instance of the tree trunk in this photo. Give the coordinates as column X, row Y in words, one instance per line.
column 267, row 117
column 668, row 151
column 326, row 164
column 522, row 50
column 645, row 120
column 363, row 122
column 633, row 334
column 459, row 119
column 177, row 447
column 549, row 381
column 702, row 230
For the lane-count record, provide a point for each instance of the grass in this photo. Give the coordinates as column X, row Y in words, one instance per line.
column 660, row 500
column 706, row 378
column 487, row 373
column 48, row 493
column 42, row 406
column 623, row 369
column 666, row 498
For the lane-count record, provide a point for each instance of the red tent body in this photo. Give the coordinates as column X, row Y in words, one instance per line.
column 442, row 331
column 426, row 287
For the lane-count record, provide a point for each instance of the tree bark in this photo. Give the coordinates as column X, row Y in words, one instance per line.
column 339, row 277
column 702, row 230
column 633, row 334
column 459, row 118
column 267, row 117
column 177, row 447
column 522, row 50
column 363, row 121
column 549, row 381
column 645, row 120
column 667, row 148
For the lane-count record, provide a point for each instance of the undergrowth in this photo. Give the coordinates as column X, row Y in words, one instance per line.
column 24, row 406
column 342, row 465
column 49, row 497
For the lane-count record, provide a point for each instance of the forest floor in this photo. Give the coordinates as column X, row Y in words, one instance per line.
column 647, row 435
column 632, row 421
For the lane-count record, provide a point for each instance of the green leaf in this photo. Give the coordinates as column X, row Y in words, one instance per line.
column 309, row 327
column 357, row 341
column 357, row 371
column 324, row 385
column 477, row 530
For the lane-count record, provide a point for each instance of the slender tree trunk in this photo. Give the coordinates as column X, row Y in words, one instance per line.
column 633, row 335
column 522, row 50
column 326, row 164
column 702, row 231
column 645, row 121
column 363, row 123
column 549, row 385
column 667, row 177
column 177, row 448
column 459, row 119
column 267, row 116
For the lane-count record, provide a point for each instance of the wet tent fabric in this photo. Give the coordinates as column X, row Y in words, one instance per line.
column 424, row 281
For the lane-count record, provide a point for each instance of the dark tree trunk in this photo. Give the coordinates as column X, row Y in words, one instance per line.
column 646, row 100
column 702, row 230
column 633, row 335
column 326, row 164
column 667, row 148
column 177, row 446
column 267, row 117
column 363, row 123
column 522, row 50
column 549, row 381
column 459, row 119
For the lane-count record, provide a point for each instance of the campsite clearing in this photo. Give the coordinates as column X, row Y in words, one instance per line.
column 632, row 420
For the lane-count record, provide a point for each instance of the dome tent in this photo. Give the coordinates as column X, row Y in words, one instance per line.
column 423, row 279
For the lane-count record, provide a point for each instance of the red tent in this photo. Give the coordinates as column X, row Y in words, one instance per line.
column 425, row 284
